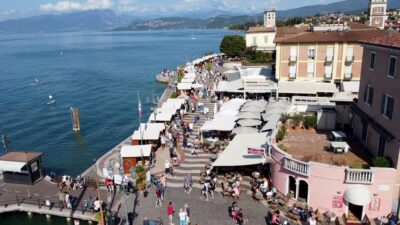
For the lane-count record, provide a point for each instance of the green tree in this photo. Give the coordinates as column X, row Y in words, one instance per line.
column 233, row 46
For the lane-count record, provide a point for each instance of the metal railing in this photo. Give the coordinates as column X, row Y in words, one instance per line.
column 296, row 166
column 359, row 176
column 329, row 58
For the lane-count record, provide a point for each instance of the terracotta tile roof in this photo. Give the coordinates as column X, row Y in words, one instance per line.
column 330, row 36
column 260, row 29
column 389, row 40
column 360, row 26
column 20, row 156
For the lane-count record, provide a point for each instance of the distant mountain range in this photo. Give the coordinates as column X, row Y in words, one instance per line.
column 77, row 21
column 101, row 20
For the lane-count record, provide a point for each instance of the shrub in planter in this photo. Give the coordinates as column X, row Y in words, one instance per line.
column 310, row 122
column 174, row 95
column 285, row 117
column 296, row 120
column 140, row 177
column 381, row 162
column 280, row 135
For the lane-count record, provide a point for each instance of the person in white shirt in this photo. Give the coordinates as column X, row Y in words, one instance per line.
column 167, row 166
column 182, row 217
column 96, row 205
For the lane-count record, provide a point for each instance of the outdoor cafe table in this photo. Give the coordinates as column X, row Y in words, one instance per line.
column 338, row 135
column 338, row 146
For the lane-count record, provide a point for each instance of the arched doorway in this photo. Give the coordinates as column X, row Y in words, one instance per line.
column 292, row 187
column 303, row 191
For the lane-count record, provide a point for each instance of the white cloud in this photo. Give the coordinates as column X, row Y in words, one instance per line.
column 63, row 6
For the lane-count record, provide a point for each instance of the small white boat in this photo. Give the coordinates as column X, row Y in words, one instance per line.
column 163, row 78
column 35, row 82
column 51, row 100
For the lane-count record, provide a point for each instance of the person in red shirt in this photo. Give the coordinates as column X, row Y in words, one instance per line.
column 170, row 211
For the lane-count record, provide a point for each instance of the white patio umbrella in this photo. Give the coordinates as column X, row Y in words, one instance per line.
column 252, row 109
column 249, row 115
column 249, row 123
column 245, row 130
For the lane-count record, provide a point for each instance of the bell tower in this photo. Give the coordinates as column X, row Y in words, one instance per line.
column 377, row 13
column 270, row 18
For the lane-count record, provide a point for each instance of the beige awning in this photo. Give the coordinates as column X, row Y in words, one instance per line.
column 11, row 166
column 357, row 195
column 306, row 87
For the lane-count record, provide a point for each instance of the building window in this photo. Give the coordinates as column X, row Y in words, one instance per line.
column 387, row 106
column 392, row 66
column 310, row 70
column 254, row 41
column 311, row 53
column 364, row 133
column 292, row 71
column 349, row 54
column 369, row 94
column 348, row 71
column 382, row 145
column 329, row 54
column 265, row 39
column 328, row 71
column 372, row 60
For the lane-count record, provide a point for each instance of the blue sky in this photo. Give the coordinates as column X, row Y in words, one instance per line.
column 20, row 8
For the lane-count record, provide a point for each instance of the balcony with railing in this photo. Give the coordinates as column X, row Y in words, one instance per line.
column 328, row 75
column 348, row 76
column 359, row 176
column 296, row 166
column 349, row 58
column 329, row 58
column 293, row 58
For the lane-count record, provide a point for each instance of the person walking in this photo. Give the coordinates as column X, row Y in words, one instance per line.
column 170, row 212
column 186, row 184
column 61, row 198
column 182, row 217
column 239, row 217
column 167, row 166
column 158, row 198
column 187, row 211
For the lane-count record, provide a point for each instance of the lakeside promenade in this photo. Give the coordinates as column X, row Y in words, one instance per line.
column 142, row 204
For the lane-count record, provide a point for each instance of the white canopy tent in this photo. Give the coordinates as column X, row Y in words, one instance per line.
column 233, row 104
column 135, row 151
column 190, row 75
column 187, row 80
column 218, row 124
column 150, row 131
column 184, row 86
column 235, row 154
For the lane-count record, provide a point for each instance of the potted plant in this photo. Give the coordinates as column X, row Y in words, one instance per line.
column 140, row 177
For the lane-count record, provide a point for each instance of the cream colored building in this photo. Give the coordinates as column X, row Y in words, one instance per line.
column 262, row 38
column 329, row 56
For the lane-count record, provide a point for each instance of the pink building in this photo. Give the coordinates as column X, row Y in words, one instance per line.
column 376, row 115
column 306, row 172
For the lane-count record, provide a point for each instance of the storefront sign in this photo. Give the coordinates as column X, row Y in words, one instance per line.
column 255, row 151
column 374, row 204
column 337, row 201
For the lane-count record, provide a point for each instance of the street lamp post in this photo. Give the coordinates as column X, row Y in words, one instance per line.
column 101, row 221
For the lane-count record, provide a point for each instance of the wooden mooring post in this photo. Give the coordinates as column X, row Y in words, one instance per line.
column 76, row 124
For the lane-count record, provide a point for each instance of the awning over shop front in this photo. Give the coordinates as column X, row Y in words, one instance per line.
column 357, row 195
column 149, row 131
column 306, row 87
column 11, row 166
column 236, row 153
column 135, row 151
column 184, row 86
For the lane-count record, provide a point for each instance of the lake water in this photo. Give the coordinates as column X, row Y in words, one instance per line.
column 99, row 73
